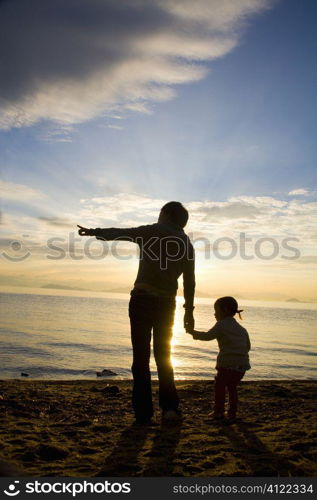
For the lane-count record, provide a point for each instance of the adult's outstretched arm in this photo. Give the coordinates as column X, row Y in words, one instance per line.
column 116, row 233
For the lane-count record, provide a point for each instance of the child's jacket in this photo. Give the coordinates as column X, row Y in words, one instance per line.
column 233, row 341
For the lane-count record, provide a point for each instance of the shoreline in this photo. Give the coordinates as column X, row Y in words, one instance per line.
column 118, row 380
column 85, row 428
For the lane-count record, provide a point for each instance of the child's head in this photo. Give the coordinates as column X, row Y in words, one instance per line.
column 226, row 306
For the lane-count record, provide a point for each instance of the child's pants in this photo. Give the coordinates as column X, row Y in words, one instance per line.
column 227, row 378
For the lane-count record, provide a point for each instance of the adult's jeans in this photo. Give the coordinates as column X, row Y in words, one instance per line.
column 152, row 313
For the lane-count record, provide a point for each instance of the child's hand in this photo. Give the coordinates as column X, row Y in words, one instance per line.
column 192, row 333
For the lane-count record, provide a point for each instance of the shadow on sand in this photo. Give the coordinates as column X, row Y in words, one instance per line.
column 257, row 457
column 162, row 454
column 139, row 445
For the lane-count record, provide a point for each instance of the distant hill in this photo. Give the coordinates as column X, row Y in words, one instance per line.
column 62, row 287
column 123, row 289
column 293, row 300
column 203, row 295
column 128, row 290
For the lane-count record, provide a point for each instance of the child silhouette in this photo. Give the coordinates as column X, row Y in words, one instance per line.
column 233, row 358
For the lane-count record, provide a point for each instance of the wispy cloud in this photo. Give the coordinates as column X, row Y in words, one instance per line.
column 115, row 127
column 19, row 192
column 76, row 60
column 52, row 133
column 299, row 192
column 56, row 221
column 121, row 208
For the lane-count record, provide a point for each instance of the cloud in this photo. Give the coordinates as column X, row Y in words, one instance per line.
column 257, row 216
column 115, row 127
column 308, row 260
column 56, row 133
column 56, row 221
column 71, row 61
column 299, row 192
column 132, row 209
column 246, row 209
column 215, row 211
column 19, row 192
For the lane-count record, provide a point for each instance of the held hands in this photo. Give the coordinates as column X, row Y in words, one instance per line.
column 189, row 321
column 84, row 231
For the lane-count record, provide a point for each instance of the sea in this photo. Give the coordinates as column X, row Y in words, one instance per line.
column 72, row 335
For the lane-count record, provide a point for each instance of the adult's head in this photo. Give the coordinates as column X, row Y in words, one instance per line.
column 175, row 213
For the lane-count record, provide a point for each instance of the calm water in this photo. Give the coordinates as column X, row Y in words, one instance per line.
column 72, row 337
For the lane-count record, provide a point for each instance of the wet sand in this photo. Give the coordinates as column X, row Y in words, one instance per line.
column 85, row 428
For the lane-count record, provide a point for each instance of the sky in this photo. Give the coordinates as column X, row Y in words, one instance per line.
column 109, row 109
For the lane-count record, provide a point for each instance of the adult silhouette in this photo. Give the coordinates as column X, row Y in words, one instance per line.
column 166, row 253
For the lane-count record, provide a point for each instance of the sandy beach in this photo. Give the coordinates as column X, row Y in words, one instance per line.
column 85, row 428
